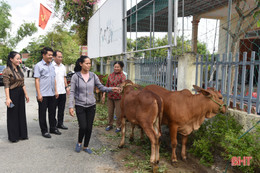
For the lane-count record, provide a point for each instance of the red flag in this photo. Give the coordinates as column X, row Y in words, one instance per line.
column 44, row 16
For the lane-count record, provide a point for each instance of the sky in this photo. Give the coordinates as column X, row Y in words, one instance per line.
column 28, row 11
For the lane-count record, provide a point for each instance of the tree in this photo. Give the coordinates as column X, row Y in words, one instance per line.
column 242, row 27
column 24, row 51
column 4, row 20
column 57, row 39
column 243, row 16
column 4, row 51
column 67, row 42
column 26, row 29
column 144, row 43
column 34, row 48
column 8, row 42
column 78, row 11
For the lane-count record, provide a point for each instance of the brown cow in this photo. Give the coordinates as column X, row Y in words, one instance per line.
column 136, row 87
column 184, row 112
column 143, row 108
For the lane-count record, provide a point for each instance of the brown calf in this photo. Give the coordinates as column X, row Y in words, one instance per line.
column 143, row 108
column 184, row 112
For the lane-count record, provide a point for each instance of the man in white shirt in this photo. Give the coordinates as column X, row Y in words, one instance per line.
column 62, row 87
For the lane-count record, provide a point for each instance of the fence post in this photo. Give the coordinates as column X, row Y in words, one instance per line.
column 206, row 71
column 187, row 71
column 201, row 70
column 101, row 65
column 124, row 36
column 217, row 72
column 236, row 81
column 242, row 93
column 197, row 69
column 169, row 56
column 212, row 70
column 131, row 71
column 252, row 65
column 229, row 78
column 258, row 91
column 223, row 79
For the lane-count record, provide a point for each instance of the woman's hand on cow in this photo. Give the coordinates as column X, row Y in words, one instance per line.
column 116, row 89
column 71, row 110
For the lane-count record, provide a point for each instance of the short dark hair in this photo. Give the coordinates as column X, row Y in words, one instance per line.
column 45, row 50
column 55, row 53
column 120, row 63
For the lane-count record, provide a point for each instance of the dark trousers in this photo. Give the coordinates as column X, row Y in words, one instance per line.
column 85, row 119
column 16, row 117
column 28, row 73
column 47, row 102
column 60, row 104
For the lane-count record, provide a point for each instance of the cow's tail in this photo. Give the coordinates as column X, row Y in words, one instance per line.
column 160, row 110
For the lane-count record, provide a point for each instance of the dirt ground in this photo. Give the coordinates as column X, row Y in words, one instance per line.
column 134, row 157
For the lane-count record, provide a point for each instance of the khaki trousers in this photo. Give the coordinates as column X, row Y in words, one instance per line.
column 114, row 105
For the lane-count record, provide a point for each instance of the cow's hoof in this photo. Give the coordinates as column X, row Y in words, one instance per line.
column 120, row 146
column 174, row 161
column 155, row 167
column 131, row 139
column 184, row 159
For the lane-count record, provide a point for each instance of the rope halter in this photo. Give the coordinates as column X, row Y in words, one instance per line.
column 220, row 105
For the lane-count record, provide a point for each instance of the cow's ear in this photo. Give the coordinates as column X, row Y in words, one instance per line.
column 197, row 88
column 205, row 93
column 202, row 91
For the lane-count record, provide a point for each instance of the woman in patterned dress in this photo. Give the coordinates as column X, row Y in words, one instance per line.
column 114, row 99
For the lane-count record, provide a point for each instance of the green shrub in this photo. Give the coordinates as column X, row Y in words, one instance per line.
column 202, row 148
column 248, row 145
column 221, row 135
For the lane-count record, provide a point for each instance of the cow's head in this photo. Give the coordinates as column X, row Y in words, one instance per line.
column 125, row 84
column 215, row 97
column 129, row 85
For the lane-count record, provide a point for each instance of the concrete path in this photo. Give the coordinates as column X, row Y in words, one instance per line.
column 55, row 155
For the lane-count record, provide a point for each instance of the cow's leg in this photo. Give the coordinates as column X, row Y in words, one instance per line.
column 157, row 135
column 173, row 133
column 150, row 132
column 148, row 129
column 132, row 134
column 183, row 148
column 122, row 131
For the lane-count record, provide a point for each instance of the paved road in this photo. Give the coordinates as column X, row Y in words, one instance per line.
column 44, row 155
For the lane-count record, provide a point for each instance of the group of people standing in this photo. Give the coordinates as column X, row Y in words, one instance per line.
column 51, row 89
